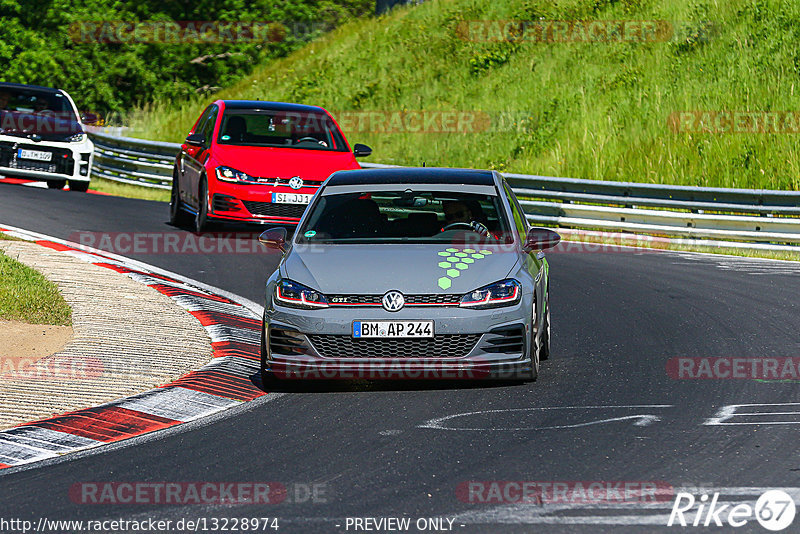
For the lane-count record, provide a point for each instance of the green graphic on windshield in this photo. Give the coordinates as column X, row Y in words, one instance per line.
column 453, row 261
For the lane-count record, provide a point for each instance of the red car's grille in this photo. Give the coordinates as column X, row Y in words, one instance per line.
column 270, row 209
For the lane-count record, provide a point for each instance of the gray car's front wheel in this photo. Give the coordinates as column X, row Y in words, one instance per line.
column 544, row 348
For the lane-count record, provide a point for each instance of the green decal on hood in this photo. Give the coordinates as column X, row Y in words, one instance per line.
column 454, row 260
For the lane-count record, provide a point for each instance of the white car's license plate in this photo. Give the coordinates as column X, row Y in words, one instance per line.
column 363, row 329
column 290, row 198
column 38, row 155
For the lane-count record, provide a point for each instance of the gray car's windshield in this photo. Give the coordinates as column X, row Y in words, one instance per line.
column 396, row 216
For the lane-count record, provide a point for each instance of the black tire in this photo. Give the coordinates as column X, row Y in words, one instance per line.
column 267, row 376
column 78, row 187
column 535, row 352
column 201, row 219
column 56, row 184
column 544, row 352
column 177, row 216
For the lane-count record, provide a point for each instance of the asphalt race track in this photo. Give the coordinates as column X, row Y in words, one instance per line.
column 604, row 408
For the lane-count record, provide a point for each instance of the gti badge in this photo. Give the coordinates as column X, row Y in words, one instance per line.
column 295, row 182
column 393, row 301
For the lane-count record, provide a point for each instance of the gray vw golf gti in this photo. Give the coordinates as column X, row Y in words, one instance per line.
column 409, row 273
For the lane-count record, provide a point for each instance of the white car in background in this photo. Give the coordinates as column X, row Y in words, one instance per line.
column 42, row 137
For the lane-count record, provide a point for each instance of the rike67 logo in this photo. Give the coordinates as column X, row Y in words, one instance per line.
column 774, row 510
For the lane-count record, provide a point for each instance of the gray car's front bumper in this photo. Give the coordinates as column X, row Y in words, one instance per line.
column 489, row 343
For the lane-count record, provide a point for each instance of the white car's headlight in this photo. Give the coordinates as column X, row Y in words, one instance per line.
column 76, row 138
column 502, row 293
column 296, row 295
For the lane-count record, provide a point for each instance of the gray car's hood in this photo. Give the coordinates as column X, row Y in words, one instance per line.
column 411, row 269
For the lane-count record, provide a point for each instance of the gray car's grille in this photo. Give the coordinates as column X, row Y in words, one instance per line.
column 440, row 346
column 411, row 300
column 270, row 209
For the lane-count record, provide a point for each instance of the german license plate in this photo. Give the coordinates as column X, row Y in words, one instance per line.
column 290, row 198
column 37, row 155
column 383, row 329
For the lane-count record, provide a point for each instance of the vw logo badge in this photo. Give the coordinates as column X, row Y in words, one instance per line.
column 393, row 301
column 295, row 182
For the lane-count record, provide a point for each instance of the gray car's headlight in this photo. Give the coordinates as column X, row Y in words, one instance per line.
column 229, row 174
column 502, row 293
column 76, row 138
column 294, row 295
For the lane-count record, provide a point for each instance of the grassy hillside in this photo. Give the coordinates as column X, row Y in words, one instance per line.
column 590, row 110
column 75, row 45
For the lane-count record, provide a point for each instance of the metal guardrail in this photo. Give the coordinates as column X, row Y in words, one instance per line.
column 134, row 161
column 746, row 215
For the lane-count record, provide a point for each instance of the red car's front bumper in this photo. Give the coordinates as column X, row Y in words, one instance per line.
column 254, row 203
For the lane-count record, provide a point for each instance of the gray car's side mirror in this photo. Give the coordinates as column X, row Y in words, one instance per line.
column 196, row 139
column 274, row 238
column 361, row 151
column 540, row 239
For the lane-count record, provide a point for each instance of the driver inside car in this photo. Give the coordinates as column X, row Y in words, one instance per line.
column 458, row 211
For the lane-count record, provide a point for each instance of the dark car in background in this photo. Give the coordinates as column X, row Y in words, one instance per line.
column 42, row 137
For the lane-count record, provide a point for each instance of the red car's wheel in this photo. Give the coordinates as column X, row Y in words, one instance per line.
column 201, row 219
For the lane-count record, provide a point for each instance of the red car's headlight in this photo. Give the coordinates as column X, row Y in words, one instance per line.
column 229, row 174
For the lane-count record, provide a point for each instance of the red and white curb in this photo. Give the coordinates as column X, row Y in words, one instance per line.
column 33, row 183
column 234, row 328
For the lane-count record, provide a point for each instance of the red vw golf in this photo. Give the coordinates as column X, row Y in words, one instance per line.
column 254, row 161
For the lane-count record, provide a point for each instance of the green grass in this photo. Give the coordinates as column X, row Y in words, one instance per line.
column 582, row 110
column 120, row 189
column 27, row 296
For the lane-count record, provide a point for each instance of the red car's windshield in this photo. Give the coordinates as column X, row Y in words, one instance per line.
column 310, row 131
